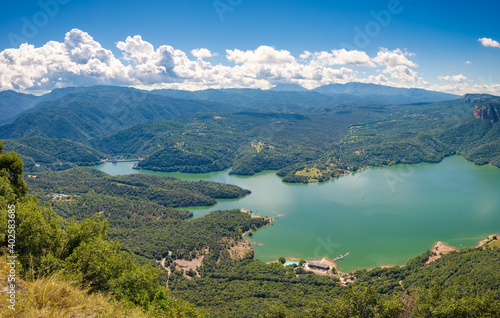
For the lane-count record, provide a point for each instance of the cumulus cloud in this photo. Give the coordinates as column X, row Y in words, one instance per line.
column 202, row 53
column 59, row 64
column 455, row 78
column 338, row 57
column 489, row 42
column 404, row 74
column 394, row 58
column 468, row 62
column 398, row 66
column 262, row 55
column 79, row 60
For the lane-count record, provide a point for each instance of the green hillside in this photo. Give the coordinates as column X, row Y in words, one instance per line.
column 13, row 104
column 138, row 207
column 98, row 111
column 316, row 141
column 41, row 154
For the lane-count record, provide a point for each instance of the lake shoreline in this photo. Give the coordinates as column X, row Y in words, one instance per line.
column 382, row 206
column 348, row 172
column 439, row 248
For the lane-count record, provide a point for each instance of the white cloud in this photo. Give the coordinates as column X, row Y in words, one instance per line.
column 202, row 53
column 263, row 55
column 468, row 62
column 404, row 74
column 79, row 60
column 489, row 42
column 455, row 78
column 465, row 88
column 394, row 58
column 398, row 66
column 379, row 79
column 338, row 57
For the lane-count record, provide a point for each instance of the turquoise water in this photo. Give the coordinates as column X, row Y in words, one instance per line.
column 383, row 215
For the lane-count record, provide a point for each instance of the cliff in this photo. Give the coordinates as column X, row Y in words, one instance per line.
column 474, row 99
column 488, row 111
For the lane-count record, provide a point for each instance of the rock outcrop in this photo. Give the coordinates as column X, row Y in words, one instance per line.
column 488, row 111
column 474, row 99
column 486, row 107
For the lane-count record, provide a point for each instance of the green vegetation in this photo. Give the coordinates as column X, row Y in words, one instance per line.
column 462, row 284
column 13, row 103
column 308, row 144
column 78, row 251
column 249, row 142
column 141, row 209
column 86, row 113
column 12, row 185
column 42, row 154
column 493, row 242
column 106, row 234
column 55, row 296
column 167, row 191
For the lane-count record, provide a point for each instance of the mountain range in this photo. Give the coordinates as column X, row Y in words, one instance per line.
column 280, row 97
column 213, row 129
column 98, row 111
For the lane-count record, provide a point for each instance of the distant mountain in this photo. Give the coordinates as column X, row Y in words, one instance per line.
column 99, row 111
column 295, row 97
column 398, row 95
column 35, row 102
column 81, row 113
column 282, row 97
column 288, row 88
column 13, row 103
column 255, row 99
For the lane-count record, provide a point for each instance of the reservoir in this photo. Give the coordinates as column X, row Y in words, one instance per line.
column 382, row 215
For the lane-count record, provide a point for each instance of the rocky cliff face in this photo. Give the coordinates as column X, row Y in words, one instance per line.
column 474, row 99
column 488, row 111
column 486, row 107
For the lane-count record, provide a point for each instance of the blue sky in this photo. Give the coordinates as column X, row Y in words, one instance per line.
column 409, row 43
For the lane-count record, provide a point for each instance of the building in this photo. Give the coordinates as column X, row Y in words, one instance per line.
column 314, row 265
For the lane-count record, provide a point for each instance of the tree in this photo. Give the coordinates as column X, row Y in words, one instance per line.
column 11, row 170
column 276, row 311
column 282, row 260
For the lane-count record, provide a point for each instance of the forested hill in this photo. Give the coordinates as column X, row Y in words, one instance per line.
column 166, row 191
column 289, row 97
column 141, row 209
column 100, row 111
column 53, row 154
column 305, row 135
column 57, row 262
column 313, row 146
column 12, row 104
column 56, row 250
